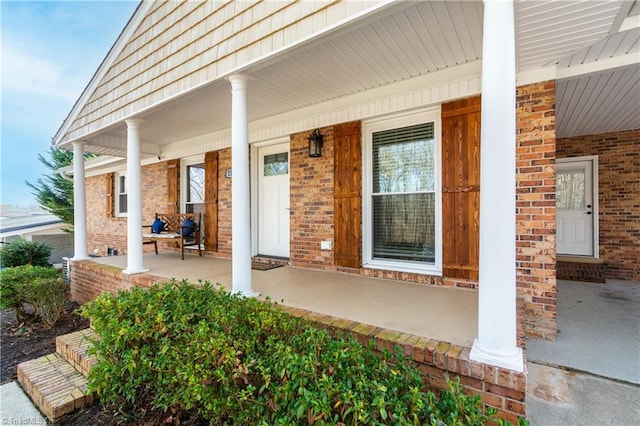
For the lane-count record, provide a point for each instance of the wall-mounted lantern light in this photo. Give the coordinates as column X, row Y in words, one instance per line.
column 315, row 144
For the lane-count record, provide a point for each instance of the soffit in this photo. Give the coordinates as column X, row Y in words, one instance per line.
column 408, row 40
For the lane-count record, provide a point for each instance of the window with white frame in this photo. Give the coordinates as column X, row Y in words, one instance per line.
column 192, row 184
column 194, row 202
column 121, row 194
column 402, row 204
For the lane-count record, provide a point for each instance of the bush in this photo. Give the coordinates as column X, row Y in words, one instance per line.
column 33, row 292
column 232, row 360
column 22, row 252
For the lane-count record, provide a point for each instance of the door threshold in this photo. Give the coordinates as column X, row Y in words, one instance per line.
column 266, row 256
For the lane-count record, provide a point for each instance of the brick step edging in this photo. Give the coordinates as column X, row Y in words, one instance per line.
column 73, row 348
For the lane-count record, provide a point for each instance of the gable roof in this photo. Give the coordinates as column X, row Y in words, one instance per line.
column 169, row 64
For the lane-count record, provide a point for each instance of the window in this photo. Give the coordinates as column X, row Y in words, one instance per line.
column 195, row 188
column 121, row 194
column 276, row 164
column 402, row 205
column 570, row 189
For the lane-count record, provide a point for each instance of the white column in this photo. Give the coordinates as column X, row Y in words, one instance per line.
column 79, row 204
column 496, row 343
column 241, row 220
column 134, row 199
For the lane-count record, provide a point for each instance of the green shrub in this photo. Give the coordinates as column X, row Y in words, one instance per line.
column 22, row 252
column 33, row 291
column 231, row 360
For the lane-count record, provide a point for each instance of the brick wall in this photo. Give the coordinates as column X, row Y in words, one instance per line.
column 90, row 279
column 224, row 204
column 312, row 219
column 311, row 202
column 104, row 230
column 618, row 197
column 536, row 210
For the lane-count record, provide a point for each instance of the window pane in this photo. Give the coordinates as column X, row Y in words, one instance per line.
column 404, row 159
column 122, row 188
column 404, row 227
column 276, row 164
column 570, row 190
column 194, row 208
column 195, row 194
column 122, row 203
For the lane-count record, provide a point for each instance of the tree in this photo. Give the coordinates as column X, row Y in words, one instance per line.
column 54, row 192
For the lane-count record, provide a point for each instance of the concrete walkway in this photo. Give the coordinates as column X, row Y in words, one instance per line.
column 16, row 407
column 599, row 330
column 590, row 375
column 557, row 397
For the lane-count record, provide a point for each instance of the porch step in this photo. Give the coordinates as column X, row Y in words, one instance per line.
column 73, row 348
column 579, row 269
column 57, row 382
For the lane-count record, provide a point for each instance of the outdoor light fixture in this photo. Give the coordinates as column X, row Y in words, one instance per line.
column 315, row 144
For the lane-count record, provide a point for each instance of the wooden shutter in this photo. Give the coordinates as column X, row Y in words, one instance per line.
column 173, row 186
column 211, row 201
column 109, row 190
column 461, row 188
column 347, row 190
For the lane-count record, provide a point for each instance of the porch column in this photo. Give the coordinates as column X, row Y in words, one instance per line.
column 496, row 342
column 241, row 215
column 79, row 204
column 134, row 199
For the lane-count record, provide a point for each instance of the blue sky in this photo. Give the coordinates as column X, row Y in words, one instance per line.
column 49, row 52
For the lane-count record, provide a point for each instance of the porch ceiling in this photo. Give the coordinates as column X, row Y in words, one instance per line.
column 411, row 39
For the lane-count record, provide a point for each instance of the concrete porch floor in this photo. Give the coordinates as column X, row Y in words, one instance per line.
column 445, row 314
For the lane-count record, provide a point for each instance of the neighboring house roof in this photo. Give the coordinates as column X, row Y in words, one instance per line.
column 170, row 63
column 18, row 223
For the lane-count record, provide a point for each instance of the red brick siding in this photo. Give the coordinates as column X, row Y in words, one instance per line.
column 312, row 219
column 90, row 279
column 224, row 204
column 536, row 210
column 618, row 199
column 108, row 231
column 102, row 230
column 311, row 202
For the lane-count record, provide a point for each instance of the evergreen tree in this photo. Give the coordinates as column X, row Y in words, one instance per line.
column 54, row 192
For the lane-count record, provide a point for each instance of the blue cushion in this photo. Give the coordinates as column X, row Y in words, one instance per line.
column 188, row 231
column 157, row 226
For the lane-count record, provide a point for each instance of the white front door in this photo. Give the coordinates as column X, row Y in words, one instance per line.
column 273, row 200
column 575, row 208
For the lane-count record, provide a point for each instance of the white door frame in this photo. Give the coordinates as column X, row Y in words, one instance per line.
column 594, row 199
column 255, row 173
